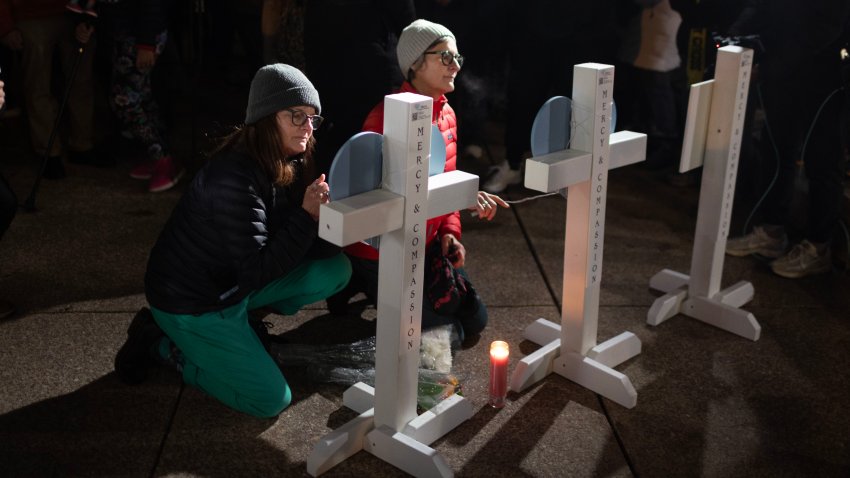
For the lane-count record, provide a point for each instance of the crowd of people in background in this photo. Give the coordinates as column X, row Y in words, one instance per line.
column 130, row 36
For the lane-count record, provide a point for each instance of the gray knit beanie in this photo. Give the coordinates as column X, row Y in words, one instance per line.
column 415, row 40
column 277, row 87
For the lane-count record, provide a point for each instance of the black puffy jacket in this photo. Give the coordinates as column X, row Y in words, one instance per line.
column 233, row 232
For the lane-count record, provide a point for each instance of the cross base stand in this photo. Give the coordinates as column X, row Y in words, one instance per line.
column 722, row 311
column 593, row 371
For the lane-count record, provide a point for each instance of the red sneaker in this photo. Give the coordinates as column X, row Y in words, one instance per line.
column 165, row 175
column 143, row 170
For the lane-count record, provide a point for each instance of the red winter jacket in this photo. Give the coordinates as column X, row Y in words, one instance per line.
column 444, row 117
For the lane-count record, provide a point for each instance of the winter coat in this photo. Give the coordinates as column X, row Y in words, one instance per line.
column 444, row 117
column 233, row 232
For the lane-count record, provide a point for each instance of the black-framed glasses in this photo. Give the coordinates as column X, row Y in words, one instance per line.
column 299, row 118
column 447, row 57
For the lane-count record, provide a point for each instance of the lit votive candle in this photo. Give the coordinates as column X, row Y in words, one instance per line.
column 499, row 353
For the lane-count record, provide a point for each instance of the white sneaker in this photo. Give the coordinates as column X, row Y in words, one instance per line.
column 803, row 260
column 504, row 177
column 757, row 242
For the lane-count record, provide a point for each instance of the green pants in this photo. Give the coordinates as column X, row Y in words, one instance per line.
column 222, row 354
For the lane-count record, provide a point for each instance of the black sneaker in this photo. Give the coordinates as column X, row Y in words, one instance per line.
column 134, row 359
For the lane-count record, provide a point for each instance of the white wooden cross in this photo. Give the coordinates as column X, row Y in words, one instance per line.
column 713, row 131
column 388, row 425
column 570, row 349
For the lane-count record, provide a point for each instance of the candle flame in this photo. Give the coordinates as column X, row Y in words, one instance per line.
column 499, row 350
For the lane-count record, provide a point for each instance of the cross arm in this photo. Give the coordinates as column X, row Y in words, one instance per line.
column 451, row 191
column 627, row 147
column 558, row 170
column 696, row 126
column 360, row 217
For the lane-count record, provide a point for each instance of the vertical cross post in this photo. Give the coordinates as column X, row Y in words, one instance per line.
column 388, row 425
column 570, row 349
column 713, row 134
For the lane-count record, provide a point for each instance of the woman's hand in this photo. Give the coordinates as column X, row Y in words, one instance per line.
column 487, row 205
column 454, row 250
column 317, row 193
column 83, row 32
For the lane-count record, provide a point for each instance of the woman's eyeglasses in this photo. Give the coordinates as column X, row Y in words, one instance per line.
column 299, row 118
column 447, row 57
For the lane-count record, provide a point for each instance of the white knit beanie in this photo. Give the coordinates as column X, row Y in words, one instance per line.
column 415, row 40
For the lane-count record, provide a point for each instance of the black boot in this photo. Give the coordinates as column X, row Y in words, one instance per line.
column 134, row 359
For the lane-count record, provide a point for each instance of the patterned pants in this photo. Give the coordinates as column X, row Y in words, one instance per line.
column 131, row 97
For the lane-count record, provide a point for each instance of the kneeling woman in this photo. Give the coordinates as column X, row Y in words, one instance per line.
column 243, row 236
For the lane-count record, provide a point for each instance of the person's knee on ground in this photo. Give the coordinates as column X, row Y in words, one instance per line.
column 262, row 392
column 269, row 401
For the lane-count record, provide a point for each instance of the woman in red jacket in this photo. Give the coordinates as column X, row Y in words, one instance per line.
column 430, row 62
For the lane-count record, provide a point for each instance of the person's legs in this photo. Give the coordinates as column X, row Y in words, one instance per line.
column 822, row 158
column 132, row 96
column 781, row 105
column 40, row 39
column 539, row 69
column 132, row 102
column 472, row 313
column 779, row 146
column 310, row 282
column 364, row 278
column 658, row 107
column 528, row 89
column 81, row 99
column 224, row 357
column 220, row 353
column 128, row 93
column 823, row 155
column 469, row 316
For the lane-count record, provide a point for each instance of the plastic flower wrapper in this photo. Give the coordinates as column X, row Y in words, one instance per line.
column 347, row 364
